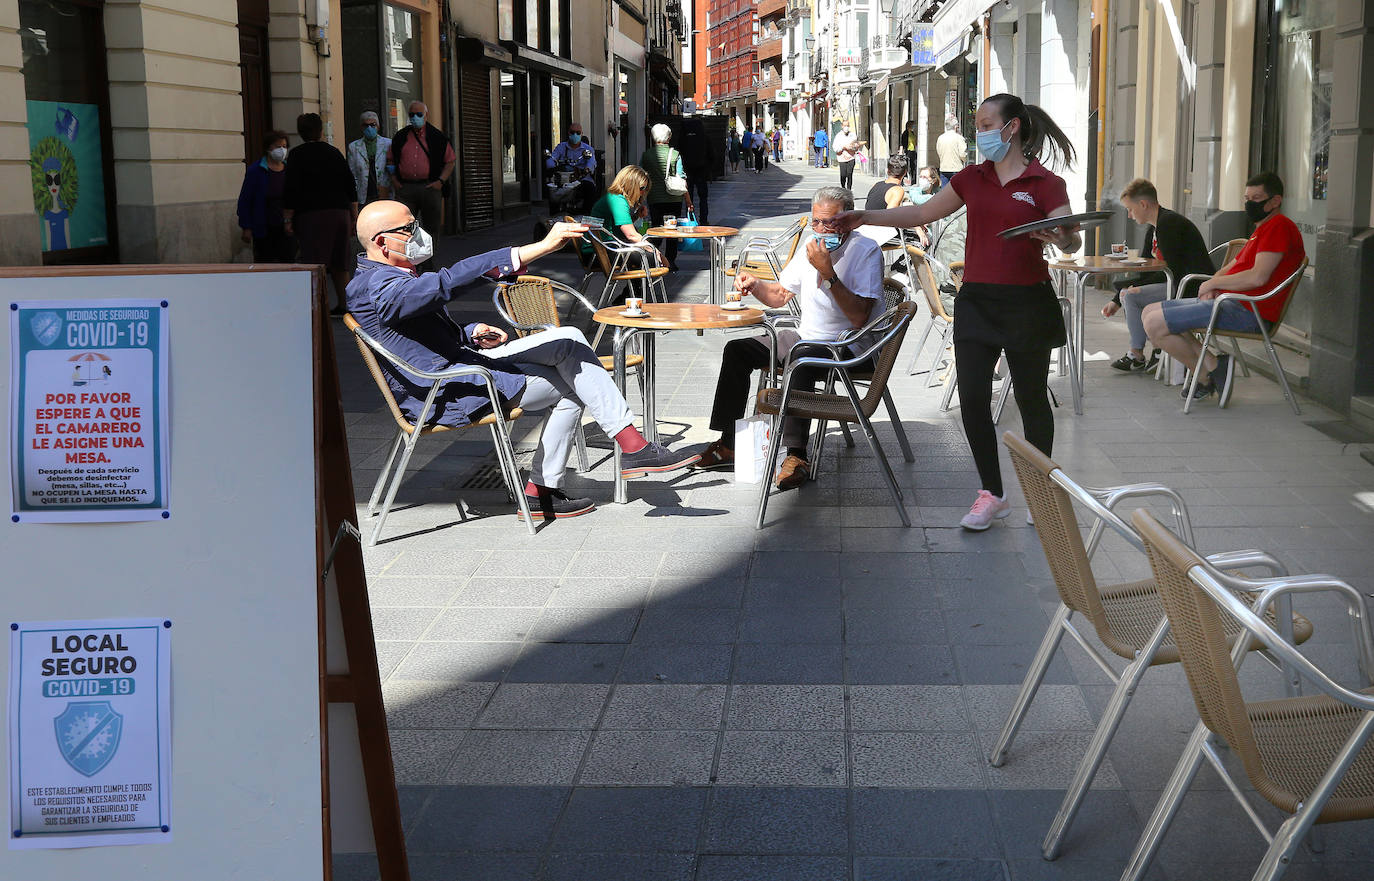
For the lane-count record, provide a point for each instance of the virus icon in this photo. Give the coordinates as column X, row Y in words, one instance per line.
column 88, row 735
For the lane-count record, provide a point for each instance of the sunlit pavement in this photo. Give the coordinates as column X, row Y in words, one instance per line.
column 659, row 691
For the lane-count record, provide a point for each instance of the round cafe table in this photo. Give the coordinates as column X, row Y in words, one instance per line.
column 715, row 237
column 662, row 317
column 1072, row 275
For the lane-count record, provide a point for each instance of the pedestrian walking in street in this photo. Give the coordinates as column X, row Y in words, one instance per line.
column 735, row 147
column 847, row 146
column 423, row 161
column 1006, row 303
column 664, row 165
column 320, row 203
column 819, row 141
column 759, row 144
column 260, row 204
column 367, row 161
column 952, row 150
column 907, row 142
column 696, row 158
column 777, row 144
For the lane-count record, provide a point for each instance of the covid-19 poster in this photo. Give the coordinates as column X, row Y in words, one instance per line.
column 88, row 408
column 68, row 174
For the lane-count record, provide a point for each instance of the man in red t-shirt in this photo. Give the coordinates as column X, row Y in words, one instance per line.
column 422, row 160
column 1273, row 252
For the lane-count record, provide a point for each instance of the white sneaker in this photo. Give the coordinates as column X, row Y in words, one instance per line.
column 986, row 508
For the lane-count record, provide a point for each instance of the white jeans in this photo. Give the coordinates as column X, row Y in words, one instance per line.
column 563, row 373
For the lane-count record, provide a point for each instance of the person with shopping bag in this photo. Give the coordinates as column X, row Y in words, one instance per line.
column 667, row 184
column 838, row 280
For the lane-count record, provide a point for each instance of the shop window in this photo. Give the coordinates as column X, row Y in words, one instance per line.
column 382, row 51
column 67, row 103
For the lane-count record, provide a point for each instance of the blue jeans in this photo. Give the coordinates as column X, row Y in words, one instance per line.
column 1182, row 316
column 1133, row 304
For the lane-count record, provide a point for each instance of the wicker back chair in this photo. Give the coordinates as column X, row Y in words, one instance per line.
column 889, row 329
column 1307, row 756
column 408, row 432
column 1128, row 618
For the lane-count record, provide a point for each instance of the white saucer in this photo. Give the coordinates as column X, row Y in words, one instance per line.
column 640, row 314
column 1135, row 261
column 735, row 308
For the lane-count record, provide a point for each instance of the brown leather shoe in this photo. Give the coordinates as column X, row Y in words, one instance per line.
column 716, row 455
column 793, row 473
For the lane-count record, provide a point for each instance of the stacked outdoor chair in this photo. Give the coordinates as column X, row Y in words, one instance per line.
column 1307, row 756
column 1128, row 618
column 409, row 432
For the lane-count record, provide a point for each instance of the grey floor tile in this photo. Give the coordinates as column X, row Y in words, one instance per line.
column 780, row 624
column 900, row 664
column 625, row 820
column 795, row 564
column 567, row 662
column 665, row 706
column 1005, row 664
column 1055, row 708
column 638, row 866
column 650, row 758
column 518, row 758
column 777, row 820
column 458, row 661
column 390, row 655
column 1013, row 626
column 535, row 705
column 476, row 624
column 420, row 756
column 924, row 760
column 487, row 818
column 484, row 590
column 384, row 592
column 924, row 823
column 590, row 624
column 699, row 593
column 449, row 563
column 664, row 662
column 783, row 758
column 888, row 625
column 907, row 708
column 685, row 625
column 786, row 707
column 894, row 595
column 588, row 593
column 473, row 866
column 789, row 664
column 434, row 703
column 725, row 867
column 1105, row 830
column 820, row 591
column 618, row 563
column 899, row 869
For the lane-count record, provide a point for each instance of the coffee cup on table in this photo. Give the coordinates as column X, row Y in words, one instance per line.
column 1133, row 253
column 634, row 304
column 1119, row 250
column 670, row 221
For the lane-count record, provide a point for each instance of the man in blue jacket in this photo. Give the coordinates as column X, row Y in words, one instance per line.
column 404, row 310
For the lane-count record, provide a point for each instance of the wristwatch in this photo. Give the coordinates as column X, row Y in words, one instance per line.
column 831, row 281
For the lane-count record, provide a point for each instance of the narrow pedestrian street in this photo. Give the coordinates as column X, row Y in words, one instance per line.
column 657, row 691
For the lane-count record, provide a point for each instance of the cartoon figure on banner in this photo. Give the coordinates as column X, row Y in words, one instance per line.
column 55, row 185
column 89, row 374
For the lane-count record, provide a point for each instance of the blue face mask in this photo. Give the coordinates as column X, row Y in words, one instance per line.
column 991, row 145
column 575, row 138
column 831, row 240
column 417, row 120
column 370, row 132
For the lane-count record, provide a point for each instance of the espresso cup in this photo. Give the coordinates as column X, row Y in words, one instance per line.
column 634, row 304
column 1119, row 249
column 670, row 221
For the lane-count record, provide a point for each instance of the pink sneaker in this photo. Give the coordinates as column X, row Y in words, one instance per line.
column 986, row 508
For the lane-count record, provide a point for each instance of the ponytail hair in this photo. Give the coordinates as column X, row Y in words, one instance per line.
column 1040, row 136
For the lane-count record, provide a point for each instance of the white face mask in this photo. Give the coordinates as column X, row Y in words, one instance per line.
column 278, row 154
column 420, row 247
column 924, row 185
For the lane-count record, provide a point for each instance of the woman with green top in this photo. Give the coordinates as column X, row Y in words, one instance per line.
column 623, row 204
column 662, row 161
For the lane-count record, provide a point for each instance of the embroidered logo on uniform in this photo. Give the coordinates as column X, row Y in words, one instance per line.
column 1024, row 197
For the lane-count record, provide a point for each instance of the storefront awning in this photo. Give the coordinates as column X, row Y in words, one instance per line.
column 473, row 50
column 951, row 27
column 559, row 68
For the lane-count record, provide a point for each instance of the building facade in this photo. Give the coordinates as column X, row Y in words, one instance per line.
column 732, row 58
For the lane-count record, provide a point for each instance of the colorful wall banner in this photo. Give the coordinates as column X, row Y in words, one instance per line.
column 88, row 406
column 68, row 173
column 90, row 730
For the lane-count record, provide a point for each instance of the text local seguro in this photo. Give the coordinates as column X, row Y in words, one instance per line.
column 64, row 415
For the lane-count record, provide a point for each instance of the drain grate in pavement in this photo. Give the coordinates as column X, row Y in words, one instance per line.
column 487, row 473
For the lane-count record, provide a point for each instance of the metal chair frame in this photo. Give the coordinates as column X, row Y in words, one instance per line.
column 616, row 258
column 1212, row 331
column 891, row 326
column 1101, row 503
column 1270, row 595
column 768, row 248
column 1228, row 250
column 500, row 301
column 409, row 432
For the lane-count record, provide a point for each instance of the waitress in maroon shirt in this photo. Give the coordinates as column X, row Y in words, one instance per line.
column 1006, row 303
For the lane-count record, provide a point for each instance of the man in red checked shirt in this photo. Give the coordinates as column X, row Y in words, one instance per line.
column 1272, row 253
column 423, row 160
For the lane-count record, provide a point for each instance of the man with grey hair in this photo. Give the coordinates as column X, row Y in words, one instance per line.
column 367, row 161
column 421, row 161
column 838, row 281
column 952, row 150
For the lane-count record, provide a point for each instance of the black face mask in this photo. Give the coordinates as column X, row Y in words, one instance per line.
column 1255, row 210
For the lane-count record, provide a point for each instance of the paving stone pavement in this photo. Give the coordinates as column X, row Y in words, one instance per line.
column 658, row 691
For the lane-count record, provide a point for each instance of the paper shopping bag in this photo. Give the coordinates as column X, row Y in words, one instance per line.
column 753, row 444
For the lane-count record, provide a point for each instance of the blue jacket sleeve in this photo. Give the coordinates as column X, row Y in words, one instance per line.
column 402, row 296
column 251, row 213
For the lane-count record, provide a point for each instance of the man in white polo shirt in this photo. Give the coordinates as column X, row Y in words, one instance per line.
column 838, row 280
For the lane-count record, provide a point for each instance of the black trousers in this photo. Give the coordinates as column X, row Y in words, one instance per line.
column 1030, row 371
column 659, row 210
column 275, row 247
column 760, row 157
column 847, row 174
column 742, row 356
column 699, row 188
column 911, row 168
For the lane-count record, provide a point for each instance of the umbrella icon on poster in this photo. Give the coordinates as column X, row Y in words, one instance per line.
column 90, row 367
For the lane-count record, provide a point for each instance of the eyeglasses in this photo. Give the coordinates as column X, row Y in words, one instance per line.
column 823, row 225
column 408, row 229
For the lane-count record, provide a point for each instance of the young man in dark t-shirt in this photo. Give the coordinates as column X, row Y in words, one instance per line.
column 1273, row 253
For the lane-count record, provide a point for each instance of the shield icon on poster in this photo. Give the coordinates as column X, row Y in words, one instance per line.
column 88, row 735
